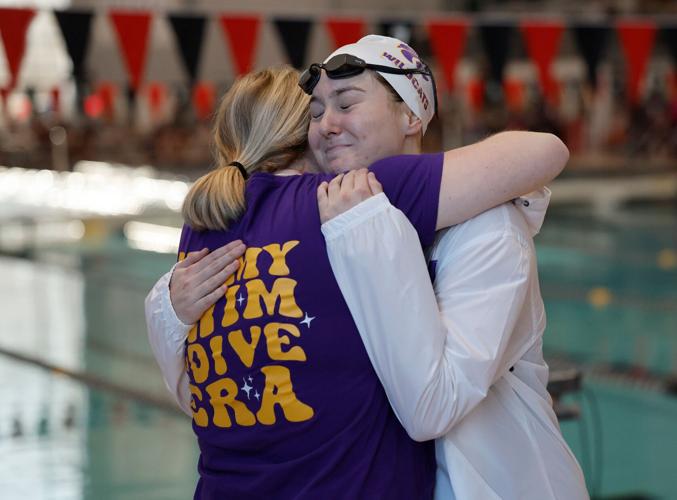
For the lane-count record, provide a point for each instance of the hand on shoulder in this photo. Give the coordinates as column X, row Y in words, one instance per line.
column 345, row 191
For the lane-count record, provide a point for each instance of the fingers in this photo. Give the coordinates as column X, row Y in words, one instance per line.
column 323, row 201
column 374, row 184
column 335, row 186
column 210, row 299
column 345, row 191
column 348, row 183
column 361, row 190
column 217, row 260
column 192, row 258
column 233, row 249
column 203, row 274
column 216, row 281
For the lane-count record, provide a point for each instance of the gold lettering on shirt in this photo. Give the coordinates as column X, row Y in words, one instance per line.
column 230, row 314
column 279, row 391
column 222, row 395
column 279, row 266
column 282, row 290
column 245, row 350
column 207, row 323
column 216, row 347
column 199, row 362
column 199, row 414
column 266, row 387
column 275, row 341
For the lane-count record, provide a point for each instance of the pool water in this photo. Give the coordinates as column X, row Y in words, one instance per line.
column 610, row 288
column 86, row 414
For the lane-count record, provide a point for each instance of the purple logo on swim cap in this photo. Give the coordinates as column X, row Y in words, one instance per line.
column 411, row 56
column 408, row 52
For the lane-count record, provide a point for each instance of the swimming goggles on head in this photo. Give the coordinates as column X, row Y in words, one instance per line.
column 347, row 66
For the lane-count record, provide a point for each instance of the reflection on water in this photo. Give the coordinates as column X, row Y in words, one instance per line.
column 61, row 440
column 610, row 287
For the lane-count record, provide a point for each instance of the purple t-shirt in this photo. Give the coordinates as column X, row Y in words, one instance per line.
column 285, row 401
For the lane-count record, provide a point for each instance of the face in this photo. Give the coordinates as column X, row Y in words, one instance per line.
column 354, row 122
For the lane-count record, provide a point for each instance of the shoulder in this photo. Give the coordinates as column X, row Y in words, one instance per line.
column 406, row 162
column 503, row 224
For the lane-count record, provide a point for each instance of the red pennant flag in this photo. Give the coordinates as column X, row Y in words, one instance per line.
column 203, row 100
column 542, row 40
column 13, row 26
column 447, row 40
column 637, row 40
column 132, row 29
column 241, row 32
column 345, row 30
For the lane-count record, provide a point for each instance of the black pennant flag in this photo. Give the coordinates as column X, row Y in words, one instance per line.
column 496, row 42
column 75, row 28
column 294, row 34
column 591, row 40
column 189, row 31
column 669, row 35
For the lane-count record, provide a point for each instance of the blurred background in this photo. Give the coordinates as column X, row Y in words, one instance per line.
column 105, row 113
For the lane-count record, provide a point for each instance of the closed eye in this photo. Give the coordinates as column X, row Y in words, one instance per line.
column 316, row 112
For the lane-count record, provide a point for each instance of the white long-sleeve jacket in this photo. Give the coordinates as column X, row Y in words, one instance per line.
column 461, row 362
column 167, row 336
column 443, row 356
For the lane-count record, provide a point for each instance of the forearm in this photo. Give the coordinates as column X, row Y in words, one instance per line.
column 167, row 336
column 498, row 169
column 391, row 341
column 435, row 368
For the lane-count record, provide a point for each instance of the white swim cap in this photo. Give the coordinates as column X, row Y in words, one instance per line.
column 416, row 90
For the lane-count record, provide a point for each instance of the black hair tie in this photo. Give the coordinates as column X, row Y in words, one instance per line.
column 240, row 167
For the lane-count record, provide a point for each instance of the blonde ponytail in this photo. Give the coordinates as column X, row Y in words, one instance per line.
column 262, row 123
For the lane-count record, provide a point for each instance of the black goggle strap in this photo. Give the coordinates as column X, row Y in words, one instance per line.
column 407, row 71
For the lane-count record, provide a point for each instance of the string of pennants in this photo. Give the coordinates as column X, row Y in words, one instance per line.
column 446, row 39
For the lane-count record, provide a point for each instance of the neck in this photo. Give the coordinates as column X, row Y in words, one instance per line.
column 299, row 166
column 412, row 145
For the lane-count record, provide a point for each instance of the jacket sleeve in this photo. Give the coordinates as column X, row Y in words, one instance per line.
column 436, row 357
column 167, row 336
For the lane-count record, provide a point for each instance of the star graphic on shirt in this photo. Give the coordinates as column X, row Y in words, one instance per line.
column 246, row 388
column 257, row 395
column 306, row 321
column 250, row 379
column 240, row 300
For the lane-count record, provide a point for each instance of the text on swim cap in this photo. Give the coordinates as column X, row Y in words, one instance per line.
column 412, row 78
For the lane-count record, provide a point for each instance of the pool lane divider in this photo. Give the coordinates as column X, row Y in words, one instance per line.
column 94, row 382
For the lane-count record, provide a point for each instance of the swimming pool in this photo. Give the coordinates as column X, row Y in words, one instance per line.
column 107, row 429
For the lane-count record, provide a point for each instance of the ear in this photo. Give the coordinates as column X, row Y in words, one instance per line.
column 412, row 124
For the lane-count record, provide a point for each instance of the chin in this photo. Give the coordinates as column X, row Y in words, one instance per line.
column 344, row 164
column 337, row 165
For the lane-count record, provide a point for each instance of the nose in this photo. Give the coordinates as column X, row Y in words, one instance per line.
column 330, row 123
